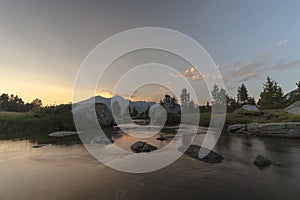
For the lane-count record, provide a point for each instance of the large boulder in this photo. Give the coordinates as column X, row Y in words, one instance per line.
column 261, row 161
column 204, row 154
column 139, row 147
column 294, row 108
column 87, row 111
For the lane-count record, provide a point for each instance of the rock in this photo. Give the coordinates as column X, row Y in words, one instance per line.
column 161, row 138
column 236, row 127
column 261, row 161
column 249, row 107
column 284, row 130
column 294, row 108
column 39, row 146
column 139, row 147
column 86, row 112
column 63, row 133
column 205, row 155
column 101, row 140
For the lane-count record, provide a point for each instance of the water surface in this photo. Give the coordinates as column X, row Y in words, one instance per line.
column 70, row 172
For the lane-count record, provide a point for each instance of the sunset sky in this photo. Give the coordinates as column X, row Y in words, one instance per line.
column 43, row 43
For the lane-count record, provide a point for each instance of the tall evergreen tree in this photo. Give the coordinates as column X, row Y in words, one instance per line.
column 272, row 95
column 242, row 95
column 184, row 97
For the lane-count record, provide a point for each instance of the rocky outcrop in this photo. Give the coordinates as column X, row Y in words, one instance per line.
column 204, row 155
column 139, row 147
column 86, row 112
column 294, row 108
column 261, row 161
column 287, row 129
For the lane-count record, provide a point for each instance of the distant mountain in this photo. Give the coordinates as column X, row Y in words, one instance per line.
column 140, row 106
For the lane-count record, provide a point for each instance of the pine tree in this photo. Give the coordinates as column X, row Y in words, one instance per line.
column 242, row 95
column 272, row 95
column 184, row 98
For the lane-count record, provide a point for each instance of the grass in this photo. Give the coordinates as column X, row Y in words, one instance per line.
column 37, row 126
column 241, row 116
column 35, row 122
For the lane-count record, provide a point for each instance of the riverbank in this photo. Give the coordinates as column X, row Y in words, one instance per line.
column 35, row 122
column 30, row 123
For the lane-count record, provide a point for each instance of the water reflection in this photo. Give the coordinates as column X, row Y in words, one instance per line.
column 69, row 172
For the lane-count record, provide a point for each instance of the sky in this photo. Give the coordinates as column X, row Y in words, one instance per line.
column 43, row 43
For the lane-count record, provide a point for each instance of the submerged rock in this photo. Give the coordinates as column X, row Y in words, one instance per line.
column 261, row 161
column 101, row 140
column 139, row 147
column 205, row 155
column 63, row 133
column 39, row 146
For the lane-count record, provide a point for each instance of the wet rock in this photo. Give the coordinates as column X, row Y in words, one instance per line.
column 204, row 155
column 139, row 147
column 63, row 133
column 237, row 127
column 101, row 140
column 284, row 129
column 261, row 161
column 39, row 146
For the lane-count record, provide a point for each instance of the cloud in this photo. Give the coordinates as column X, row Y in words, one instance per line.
column 247, row 70
column 191, row 73
column 281, row 43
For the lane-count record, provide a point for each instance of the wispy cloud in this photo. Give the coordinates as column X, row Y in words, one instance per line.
column 281, row 43
column 247, row 70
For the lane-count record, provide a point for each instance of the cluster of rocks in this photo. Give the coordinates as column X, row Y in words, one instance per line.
column 287, row 129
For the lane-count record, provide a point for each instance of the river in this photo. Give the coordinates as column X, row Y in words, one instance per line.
column 70, row 172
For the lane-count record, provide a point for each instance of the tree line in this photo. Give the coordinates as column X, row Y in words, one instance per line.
column 13, row 103
column 271, row 97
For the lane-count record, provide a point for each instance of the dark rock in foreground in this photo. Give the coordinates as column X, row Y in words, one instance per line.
column 208, row 155
column 139, row 147
column 261, row 161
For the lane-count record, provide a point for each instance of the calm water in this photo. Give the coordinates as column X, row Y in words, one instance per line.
column 69, row 172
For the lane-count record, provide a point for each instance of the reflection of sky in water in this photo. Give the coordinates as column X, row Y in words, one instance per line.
column 58, row 171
